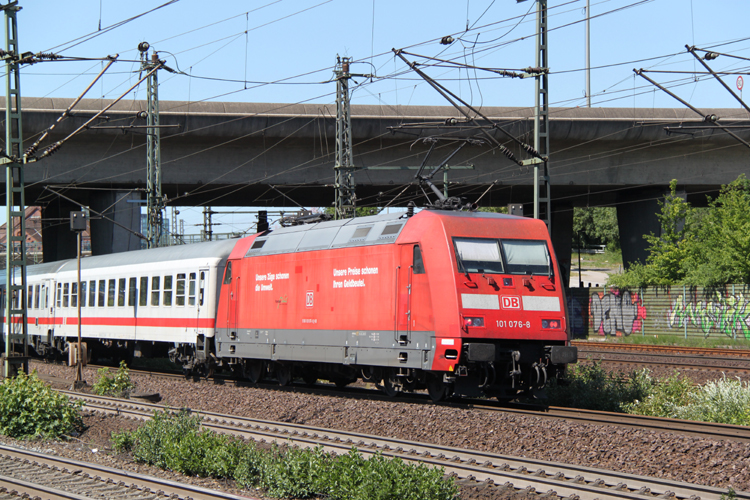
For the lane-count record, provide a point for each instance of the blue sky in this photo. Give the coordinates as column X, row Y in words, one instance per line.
column 230, row 50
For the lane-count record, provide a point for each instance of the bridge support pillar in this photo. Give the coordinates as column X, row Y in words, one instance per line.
column 106, row 236
column 562, row 239
column 58, row 241
column 635, row 219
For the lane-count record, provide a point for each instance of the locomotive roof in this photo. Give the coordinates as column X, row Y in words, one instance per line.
column 359, row 231
column 210, row 249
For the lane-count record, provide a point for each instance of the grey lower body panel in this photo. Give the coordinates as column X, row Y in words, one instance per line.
column 367, row 348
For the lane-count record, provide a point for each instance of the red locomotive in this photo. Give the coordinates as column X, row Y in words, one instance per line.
column 463, row 303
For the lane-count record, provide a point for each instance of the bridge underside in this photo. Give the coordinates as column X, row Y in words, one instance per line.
column 238, row 154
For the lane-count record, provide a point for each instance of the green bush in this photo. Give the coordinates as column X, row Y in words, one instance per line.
column 175, row 441
column 665, row 398
column 724, row 401
column 591, row 387
column 118, row 385
column 29, row 408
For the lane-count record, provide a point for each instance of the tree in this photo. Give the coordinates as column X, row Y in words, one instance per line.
column 698, row 247
column 596, row 226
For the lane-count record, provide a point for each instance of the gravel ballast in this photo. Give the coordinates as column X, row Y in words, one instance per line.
column 681, row 458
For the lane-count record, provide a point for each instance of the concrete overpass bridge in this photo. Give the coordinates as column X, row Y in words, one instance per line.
column 251, row 154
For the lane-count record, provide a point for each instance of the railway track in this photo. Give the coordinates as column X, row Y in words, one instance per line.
column 682, row 358
column 27, row 474
column 657, row 424
column 493, row 470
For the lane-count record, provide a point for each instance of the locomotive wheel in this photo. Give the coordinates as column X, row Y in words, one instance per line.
column 436, row 389
column 389, row 385
column 283, row 375
column 254, row 370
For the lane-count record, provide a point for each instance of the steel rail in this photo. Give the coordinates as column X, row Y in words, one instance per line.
column 127, row 481
column 699, row 351
column 564, row 479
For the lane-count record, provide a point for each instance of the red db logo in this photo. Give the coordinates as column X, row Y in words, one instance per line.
column 309, row 299
column 510, row 302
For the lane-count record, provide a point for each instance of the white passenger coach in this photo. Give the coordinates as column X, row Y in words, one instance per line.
column 130, row 299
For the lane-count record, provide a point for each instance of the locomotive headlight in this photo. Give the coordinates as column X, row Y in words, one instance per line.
column 551, row 324
column 475, row 321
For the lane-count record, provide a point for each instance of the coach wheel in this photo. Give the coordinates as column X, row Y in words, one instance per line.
column 436, row 388
column 341, row 382
column 254, row 370
column 390, row 387
column 283, row 375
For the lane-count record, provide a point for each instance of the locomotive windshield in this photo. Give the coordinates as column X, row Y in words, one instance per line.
column 478, row 255
column 491, row 256
column 526, row 257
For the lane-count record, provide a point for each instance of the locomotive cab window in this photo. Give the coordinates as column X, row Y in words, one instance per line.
column 527, row 257
column 418, row 262
column 475, row 255
column 228, row 273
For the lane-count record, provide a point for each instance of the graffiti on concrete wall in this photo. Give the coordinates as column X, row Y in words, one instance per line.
column 616, row 313
column 728, row 315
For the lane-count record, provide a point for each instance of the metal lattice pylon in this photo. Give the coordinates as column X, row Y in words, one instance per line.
column 154, row 198
column 344, row 161
column 15, row 328
column 542, row 195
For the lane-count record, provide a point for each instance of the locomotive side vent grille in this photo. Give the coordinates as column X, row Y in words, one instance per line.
column 390, row 231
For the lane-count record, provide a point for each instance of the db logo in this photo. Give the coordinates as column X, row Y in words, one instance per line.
column 309, row 299
column 510, row 302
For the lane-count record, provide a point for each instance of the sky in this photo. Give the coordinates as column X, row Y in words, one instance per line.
column 284, row 51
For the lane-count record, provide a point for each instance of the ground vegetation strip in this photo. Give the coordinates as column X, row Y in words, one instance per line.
column 660, row 454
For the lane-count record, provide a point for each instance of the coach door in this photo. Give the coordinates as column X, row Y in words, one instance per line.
column 47, row 307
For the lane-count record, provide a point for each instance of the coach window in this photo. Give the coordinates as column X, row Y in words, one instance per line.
column 74, row 295
column 418, row 262
column 59, row 295
column 179, row 294
column 143, row 294
column 121, row 292
column 83, row 294
column 30, row 296
column 111, row 294
column 155, row 286
column 102, row 292
column 131, row 292
column 36, row 297
column 92, row 293
column 201, row 286
column 43, row 300
column 191, row 290
column 167, row 290
column 228, row 273
column 66, row 289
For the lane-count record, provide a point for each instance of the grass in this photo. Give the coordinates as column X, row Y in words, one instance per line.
column 609, row 260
